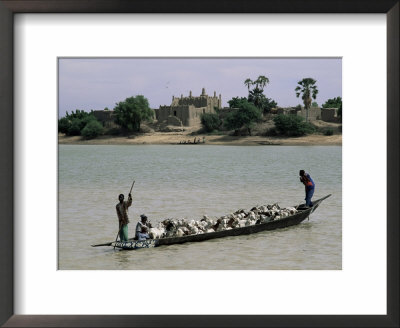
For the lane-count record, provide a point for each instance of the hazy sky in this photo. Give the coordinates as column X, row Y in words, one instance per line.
column 96, row 83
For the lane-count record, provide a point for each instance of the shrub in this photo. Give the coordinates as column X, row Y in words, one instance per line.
column 210, row 122
column 78, row 124
column 75, row 127
column 245, row 116
column 63, row 125
column 92, row 129
column 328, row 132
column 292, row 125
column 236, row 102
column 72, row 124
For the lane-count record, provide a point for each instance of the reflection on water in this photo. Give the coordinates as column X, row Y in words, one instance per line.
column 191, row 181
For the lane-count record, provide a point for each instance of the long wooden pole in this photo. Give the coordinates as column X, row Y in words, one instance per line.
column 131, row 187
column 121, row 224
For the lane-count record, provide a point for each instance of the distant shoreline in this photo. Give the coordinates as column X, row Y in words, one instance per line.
column 171, row 138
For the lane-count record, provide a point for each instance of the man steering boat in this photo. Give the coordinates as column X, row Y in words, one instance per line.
column 122, row 212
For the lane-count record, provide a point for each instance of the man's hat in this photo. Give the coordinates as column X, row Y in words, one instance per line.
column 143, row 216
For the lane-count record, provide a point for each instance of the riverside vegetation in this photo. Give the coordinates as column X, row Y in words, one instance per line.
column 245, row 115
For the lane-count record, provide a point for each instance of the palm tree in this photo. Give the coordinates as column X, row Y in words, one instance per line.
column 248, row 82
column 308, row 89
column 262, row 81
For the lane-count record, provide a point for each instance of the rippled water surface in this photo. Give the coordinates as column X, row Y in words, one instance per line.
column 190, row 181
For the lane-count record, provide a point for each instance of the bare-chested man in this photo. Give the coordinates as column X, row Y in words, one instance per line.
column 122, row 212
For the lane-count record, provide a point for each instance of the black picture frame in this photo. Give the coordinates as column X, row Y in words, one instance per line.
column 10, row 7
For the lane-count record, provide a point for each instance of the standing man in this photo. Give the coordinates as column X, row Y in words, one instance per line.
column 143, row 224
column 122, row 212
column 309, row 185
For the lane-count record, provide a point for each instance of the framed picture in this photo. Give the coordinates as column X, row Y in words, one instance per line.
column 187, row 198
column 12, row 232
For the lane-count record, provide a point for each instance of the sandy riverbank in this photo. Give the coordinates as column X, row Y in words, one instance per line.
column 163, row 138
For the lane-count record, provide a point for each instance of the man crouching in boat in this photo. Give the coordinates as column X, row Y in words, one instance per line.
column 143, row 223
column 305, row 178
column 122, row 212
column 143, row 235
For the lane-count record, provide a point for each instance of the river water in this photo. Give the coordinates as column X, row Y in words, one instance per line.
column 191, row 181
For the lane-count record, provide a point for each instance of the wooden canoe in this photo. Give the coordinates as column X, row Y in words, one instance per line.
column 303, row 212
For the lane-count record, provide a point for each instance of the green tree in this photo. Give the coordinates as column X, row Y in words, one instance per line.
column 130, row 113
column 307, row 88
column 334, row 103
column 75, row 127
column 245, row 116
column 210, row 121
column 235, row 102
column 257, row 96
column 269, row 104
column 81, row 114
column 261, row 82
column 92, row 129
column 292, row 125
column 248, row 82
column 63, row 125
column 72, row 124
